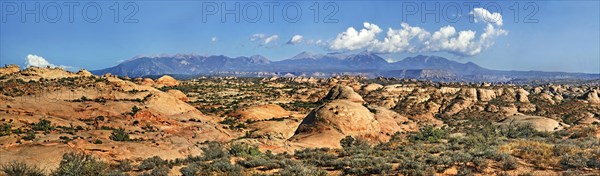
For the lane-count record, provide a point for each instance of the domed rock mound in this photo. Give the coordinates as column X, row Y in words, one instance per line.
column 166, row 80
column 344, row 115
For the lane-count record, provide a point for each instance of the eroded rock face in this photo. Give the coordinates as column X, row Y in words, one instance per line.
column 167, row 80
column 592, row 96
column 521, row 95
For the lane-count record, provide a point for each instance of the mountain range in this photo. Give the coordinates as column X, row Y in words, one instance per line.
column 324, row 65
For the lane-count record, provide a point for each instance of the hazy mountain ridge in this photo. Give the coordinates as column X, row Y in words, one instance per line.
column 325, row 65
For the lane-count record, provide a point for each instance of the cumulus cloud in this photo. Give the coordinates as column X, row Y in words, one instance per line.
column 33, row 60
column 412, row 39
column 295, row 40
column 264, row 38
column 352, row 39
column 37, row 61
column 482, row 14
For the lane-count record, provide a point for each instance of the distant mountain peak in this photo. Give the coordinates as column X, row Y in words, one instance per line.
column 305, row 55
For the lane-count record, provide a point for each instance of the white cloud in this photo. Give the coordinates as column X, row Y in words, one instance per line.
column 352, row 39
column 37, row 61
column 264, row 38
column 482, row 14
column 415, row 39
column 214, row 39
column 295, row 39
column 33, row 60
column 255, row 37
column 271, row 39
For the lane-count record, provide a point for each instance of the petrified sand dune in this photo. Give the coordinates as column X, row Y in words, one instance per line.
column 343, row 115
column 113, row 99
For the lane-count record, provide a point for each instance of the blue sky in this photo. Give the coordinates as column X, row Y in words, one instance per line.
column 548, row 36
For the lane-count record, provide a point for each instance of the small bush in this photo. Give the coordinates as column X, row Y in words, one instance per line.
column 43, row 125
column 213, row 151
column 76, row 164
column 160, row 171
column 220, row 166
column 151, row 163
column 239, row 149
column 5, row 129
column 20, row 169
column 300, row 170
column 576, row 161
column 29, row 136
column 124, row 165
column 119, row 135
column 429, row 134
column 508, row 163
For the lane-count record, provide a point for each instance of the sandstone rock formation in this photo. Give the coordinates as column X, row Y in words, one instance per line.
column 84, row 72
column 343, row 92
column 342, row 114
column 166, row 80
column 372, row 87
column 592, row 96
column 261, row 112
column 537, row 122
column 9, row 69
column 178, row 94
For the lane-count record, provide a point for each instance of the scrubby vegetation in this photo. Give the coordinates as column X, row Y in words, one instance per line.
column 482, row 149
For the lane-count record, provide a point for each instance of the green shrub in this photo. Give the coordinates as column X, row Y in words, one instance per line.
column 518, row 130
column 412, row 166
column 43, row 125
column 316, row 156
column 119, row 135
column 160, row 171
column 134, row 110
column 76, row 164
column 242, row 149
column 300, row 170
column 576, row 161
column 124, row 165
column 5, row 129
column 220, row 166
column 151, row 163
column 360, row 165
column 429, row 134
column 20, row 169
column 213, row 151
column 508, row 163
column 30, row 135
column 347, row 142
